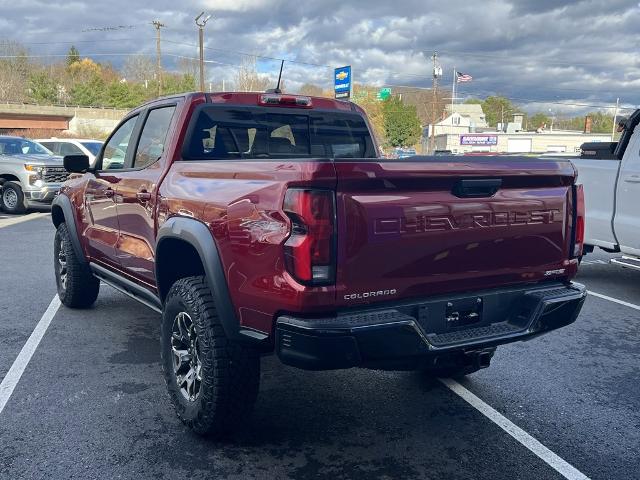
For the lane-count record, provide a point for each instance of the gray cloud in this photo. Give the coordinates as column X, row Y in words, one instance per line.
column 571, row 52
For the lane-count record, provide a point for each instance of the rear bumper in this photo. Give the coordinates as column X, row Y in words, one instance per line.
column 420, row 334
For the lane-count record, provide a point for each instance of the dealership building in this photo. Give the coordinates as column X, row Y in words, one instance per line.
column 465, row 131
column 520, row 142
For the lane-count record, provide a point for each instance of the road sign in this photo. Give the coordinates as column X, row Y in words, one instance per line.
column 383, row 94
column 342, row 82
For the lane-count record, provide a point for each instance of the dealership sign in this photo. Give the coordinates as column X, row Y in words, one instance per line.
column 342, row 82
column 478, row 140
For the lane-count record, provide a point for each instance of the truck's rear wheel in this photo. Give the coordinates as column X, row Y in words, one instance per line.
column 212, row 381
column 12, row 199
column 77, row 287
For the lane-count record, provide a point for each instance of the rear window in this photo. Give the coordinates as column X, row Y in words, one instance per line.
column 253, row 133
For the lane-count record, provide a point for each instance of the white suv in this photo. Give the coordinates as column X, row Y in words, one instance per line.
column 73, row 146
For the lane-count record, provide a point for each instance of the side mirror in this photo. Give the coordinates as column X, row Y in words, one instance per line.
column 76, row 163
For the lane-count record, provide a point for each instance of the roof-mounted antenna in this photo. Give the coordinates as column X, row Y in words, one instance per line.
column 277, row 89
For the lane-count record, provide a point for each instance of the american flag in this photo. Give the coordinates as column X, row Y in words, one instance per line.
column 463, row 77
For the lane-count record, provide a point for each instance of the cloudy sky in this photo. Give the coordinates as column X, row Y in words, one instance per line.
column 563, row 55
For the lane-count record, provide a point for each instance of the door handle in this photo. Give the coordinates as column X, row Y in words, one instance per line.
column 143, row 196
column 477, row 188
column 632, row 179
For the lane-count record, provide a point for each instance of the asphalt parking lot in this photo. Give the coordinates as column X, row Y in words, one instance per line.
column 91, row 402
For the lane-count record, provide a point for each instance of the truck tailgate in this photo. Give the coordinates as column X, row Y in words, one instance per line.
column 428, row 226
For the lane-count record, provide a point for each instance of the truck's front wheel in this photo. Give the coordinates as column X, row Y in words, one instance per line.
column 12, row 199
column 77, row 287
column 212, row 381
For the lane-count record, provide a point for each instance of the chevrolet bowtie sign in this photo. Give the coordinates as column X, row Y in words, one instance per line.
column 342, row 82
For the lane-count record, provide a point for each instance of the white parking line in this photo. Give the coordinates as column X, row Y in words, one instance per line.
column 594, row 262
column 615, row 300
column 6, row 222
column 17, row 369
column 554, row 461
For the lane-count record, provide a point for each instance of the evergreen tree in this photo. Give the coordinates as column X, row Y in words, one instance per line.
column 42, row 88
column 73, row 56
column 401, row 124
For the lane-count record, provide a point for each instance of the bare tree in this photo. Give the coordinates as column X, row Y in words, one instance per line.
column 311, row 89
column 248, row 79
column 14, row 71
column 139, row 69
column 422, row 99
column 189, row 66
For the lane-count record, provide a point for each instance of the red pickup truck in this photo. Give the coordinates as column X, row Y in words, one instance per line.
column 260, row 223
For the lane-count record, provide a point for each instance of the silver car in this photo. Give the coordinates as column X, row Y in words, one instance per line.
column 29, row 174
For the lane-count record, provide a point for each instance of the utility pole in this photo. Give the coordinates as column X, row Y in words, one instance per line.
column 201, row 22
column 158, row 24
column 437, row 72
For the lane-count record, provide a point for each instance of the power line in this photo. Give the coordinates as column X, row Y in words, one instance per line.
column 517, row 99
column 110, row 28
column 528, row 59
column 61, row 55
column 77, row 42
column 392, row 74
column 226, row 50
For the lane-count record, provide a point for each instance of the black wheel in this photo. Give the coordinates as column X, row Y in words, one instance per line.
column 77, row 287
column 12, row 199
column 212, row 381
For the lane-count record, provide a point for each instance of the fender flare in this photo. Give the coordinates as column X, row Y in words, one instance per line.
column 63, row 202
column 198, row 235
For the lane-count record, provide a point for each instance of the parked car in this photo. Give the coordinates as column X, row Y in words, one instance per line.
column 29, row 173
column 404, row 152
column 599, row 150
column 611, row 176
column 267, row 223
column 73, row 146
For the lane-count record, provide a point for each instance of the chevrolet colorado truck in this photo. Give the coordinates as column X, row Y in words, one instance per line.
column 260, row 223
column 612, row 192
column 29, row 174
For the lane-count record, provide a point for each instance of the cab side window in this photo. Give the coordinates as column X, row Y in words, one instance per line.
column 69, row 149
column 115, row 151
column 153, row 137
column 51, row 146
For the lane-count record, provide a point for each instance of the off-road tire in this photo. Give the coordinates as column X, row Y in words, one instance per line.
column 81, row 288
column 13, row 188
column 230, row 372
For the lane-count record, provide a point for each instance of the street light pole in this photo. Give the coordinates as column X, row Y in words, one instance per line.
column 615, row 117
column 201, row 22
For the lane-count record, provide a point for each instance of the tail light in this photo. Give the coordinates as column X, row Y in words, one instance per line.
column 310, row 248
column 279, row 100
column 578, row 241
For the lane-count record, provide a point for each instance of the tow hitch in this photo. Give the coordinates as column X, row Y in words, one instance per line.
column 480, row 358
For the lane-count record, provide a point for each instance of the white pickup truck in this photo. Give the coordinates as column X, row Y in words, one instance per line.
column 612, row 197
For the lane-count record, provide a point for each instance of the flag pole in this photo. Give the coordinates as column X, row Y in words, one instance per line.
column 453, row 90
